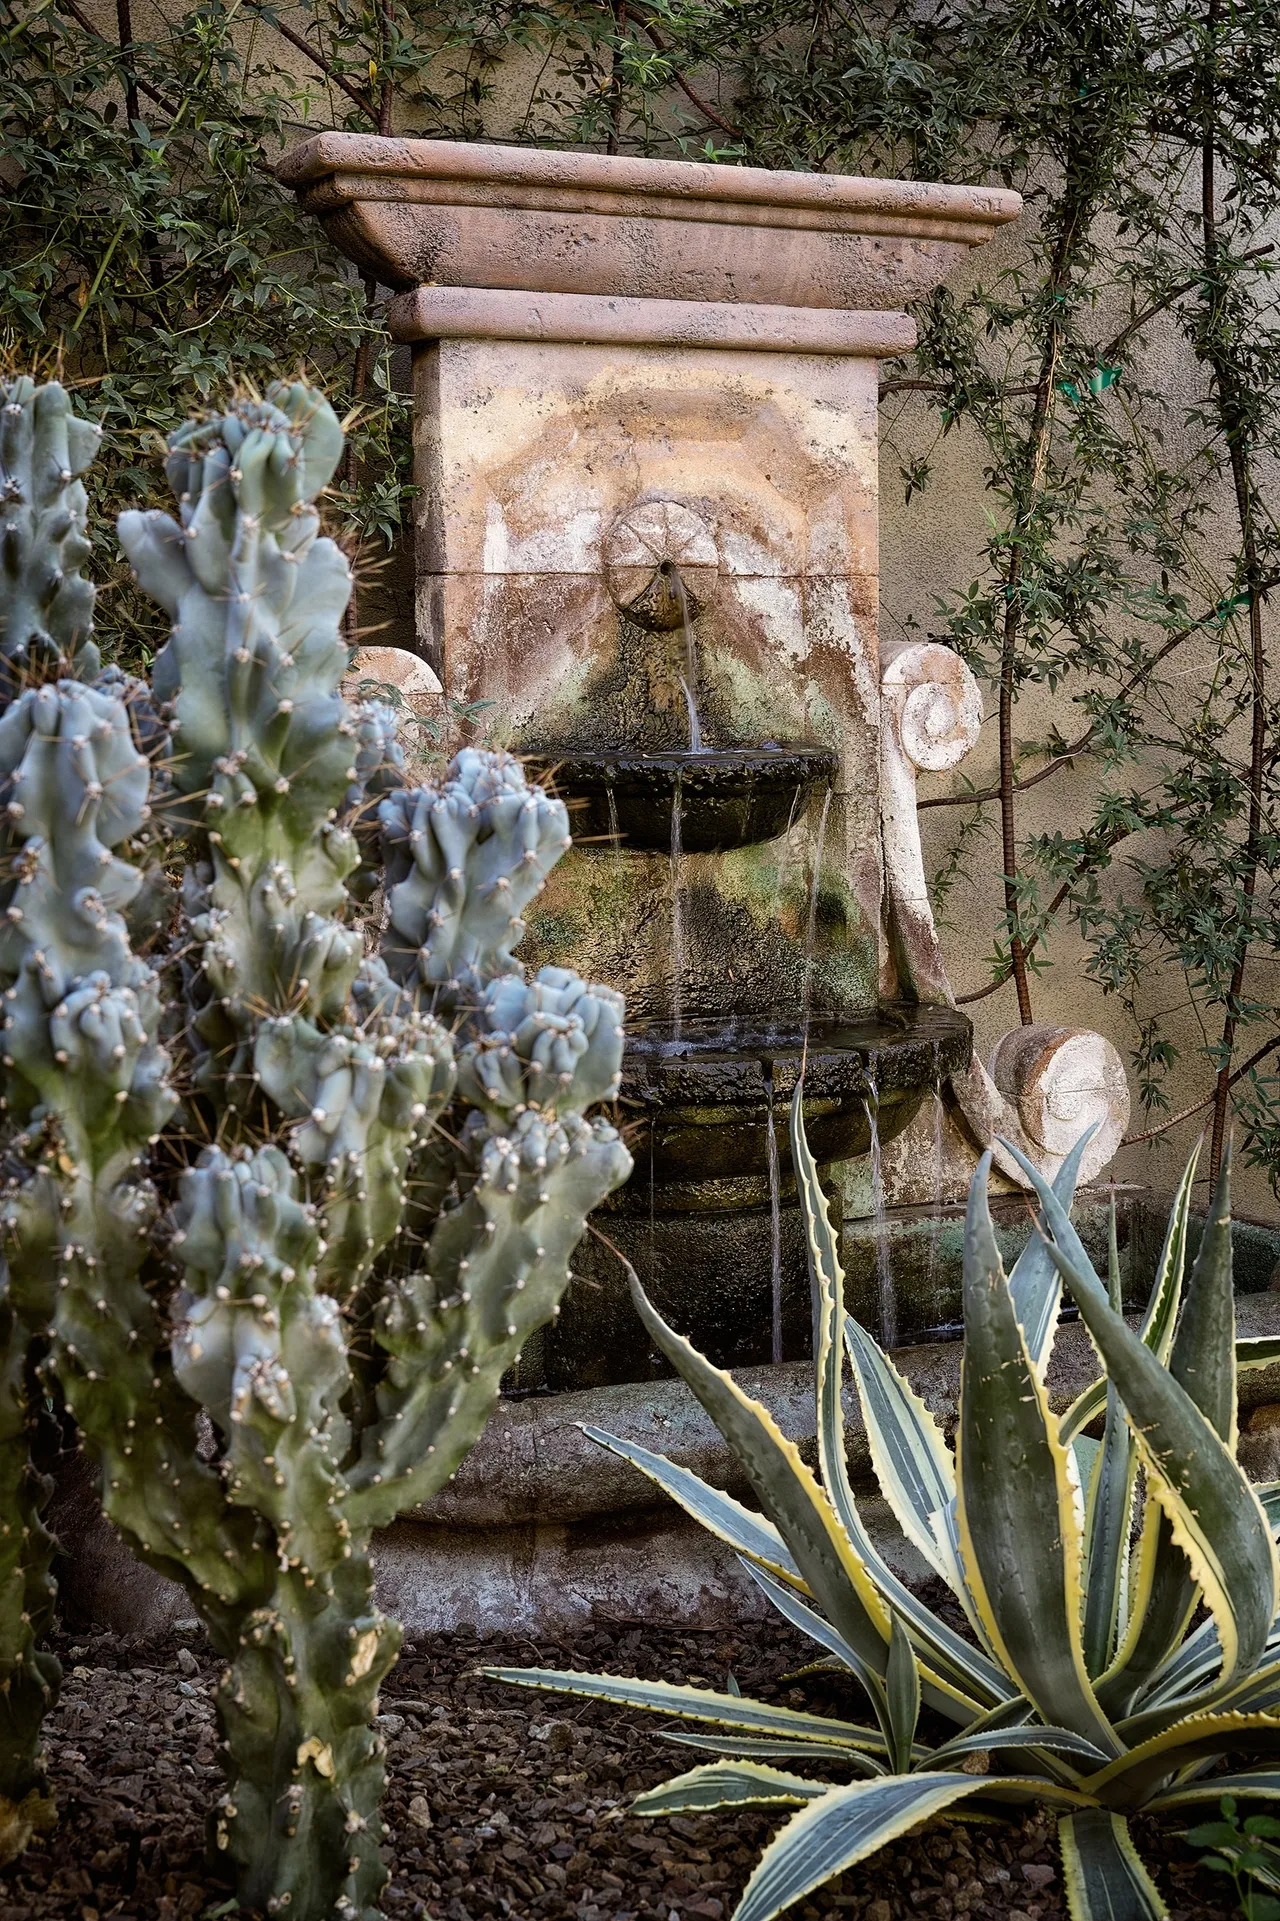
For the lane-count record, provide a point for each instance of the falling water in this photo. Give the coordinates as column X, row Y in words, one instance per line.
column 811, row 931
column 677, row 917
column 775, row 1221
column 615, row 832
column 884, row 1278
column 695, row 726
column 935, row 1230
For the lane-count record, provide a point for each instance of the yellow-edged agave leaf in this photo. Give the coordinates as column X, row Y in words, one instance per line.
column 807, row 1619
column 1104, row 1876
column 694, row 1704
column 749, row 1533
column 902, row 1690
column 1203, row 1355
column 1084, row 1409
column 845, row 1825
column 1034, row 1283
column 1259, row 1784
column 832, row 1569
column 1261, row 1350
column 1216, row 1518
column 1199, row 1657
column 1028, row 1738
column 728, row 1784
column 816, row 1753
column 1255, row 1693
column 1201, row 1358
column 1166, row 1294
column 1162, row 1307
column 910, row 1458
column 960, row 1681
column 1134, row 1778
column 1016, row 1506
column 1107, row 1511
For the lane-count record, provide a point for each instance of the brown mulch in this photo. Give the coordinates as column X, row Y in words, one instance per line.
column 501, row 1803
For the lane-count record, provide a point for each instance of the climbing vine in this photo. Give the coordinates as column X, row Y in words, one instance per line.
column 1127, row 549
column 1115, row 378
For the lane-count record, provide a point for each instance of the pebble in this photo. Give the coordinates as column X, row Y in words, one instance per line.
column 486, row 1818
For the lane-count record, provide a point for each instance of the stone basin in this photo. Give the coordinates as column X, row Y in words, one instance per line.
column 729, row 797
column 704, row 1094
column 462, row 214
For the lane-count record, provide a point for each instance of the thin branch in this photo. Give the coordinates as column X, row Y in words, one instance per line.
column 317, row 59
column 83, row 21
column 1112, row 348
column 703, row 106
column 1198, row 1107
column 1077, row 747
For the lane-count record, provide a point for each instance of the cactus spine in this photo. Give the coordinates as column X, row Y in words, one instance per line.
column 46, row 617
column 336, row 1282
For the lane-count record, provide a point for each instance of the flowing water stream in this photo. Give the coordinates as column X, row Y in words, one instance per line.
column 689, row 678
column 775, row 1223
column 812, row 928
column 885, row 1300
column 936, row 1229
column 677, row 916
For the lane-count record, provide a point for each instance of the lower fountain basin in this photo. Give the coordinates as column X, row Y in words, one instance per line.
column 704, row 1095
column 729, row 796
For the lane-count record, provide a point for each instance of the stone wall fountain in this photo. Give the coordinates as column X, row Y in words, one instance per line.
column 646, row 454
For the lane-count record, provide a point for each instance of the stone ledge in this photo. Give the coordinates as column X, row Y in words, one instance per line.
column 483, row 313
column 533, row 1464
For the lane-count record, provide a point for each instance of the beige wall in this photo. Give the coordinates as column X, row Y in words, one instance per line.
column 930, row 549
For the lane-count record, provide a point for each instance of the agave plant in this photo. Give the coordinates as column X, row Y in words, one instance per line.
column 1087, row 1680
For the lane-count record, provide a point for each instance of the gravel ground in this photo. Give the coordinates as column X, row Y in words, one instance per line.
column 500, row 1803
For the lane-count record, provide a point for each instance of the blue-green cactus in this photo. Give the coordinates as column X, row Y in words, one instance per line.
column 46, row 619
column 336, row 1282
column 46, row 604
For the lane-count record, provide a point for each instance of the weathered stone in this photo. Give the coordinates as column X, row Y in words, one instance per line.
column 542, row 1526
column 489, row 216
column 374, row 668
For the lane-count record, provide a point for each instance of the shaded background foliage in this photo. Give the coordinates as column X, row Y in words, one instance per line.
column 1112, row 374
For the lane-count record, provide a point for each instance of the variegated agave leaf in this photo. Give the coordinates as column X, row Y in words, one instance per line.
column 1021, row 1524
column 1069, row 1632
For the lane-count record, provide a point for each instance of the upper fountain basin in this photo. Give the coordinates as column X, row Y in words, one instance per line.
column 459, row 214
column 704, row 1091
column 728, row 796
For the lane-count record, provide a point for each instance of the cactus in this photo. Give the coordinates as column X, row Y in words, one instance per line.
column 46, row 618
column 246, row 1207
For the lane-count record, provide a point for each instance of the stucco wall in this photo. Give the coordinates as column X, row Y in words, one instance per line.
column 929, row 549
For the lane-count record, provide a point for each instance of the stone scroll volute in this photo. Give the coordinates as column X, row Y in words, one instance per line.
column 1045, row 1084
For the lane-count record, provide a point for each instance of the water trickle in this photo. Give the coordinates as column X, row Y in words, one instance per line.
column 812, row 929
column 677, row 917
column 690, row 678
column 695, row 726
column 885, row 1300
column 775, row 1223
column 935, row 1230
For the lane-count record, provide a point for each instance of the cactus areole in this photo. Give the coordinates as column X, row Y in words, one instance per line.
column 231, row 1197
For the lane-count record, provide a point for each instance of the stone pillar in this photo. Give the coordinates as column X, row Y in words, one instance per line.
column 565, row 446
